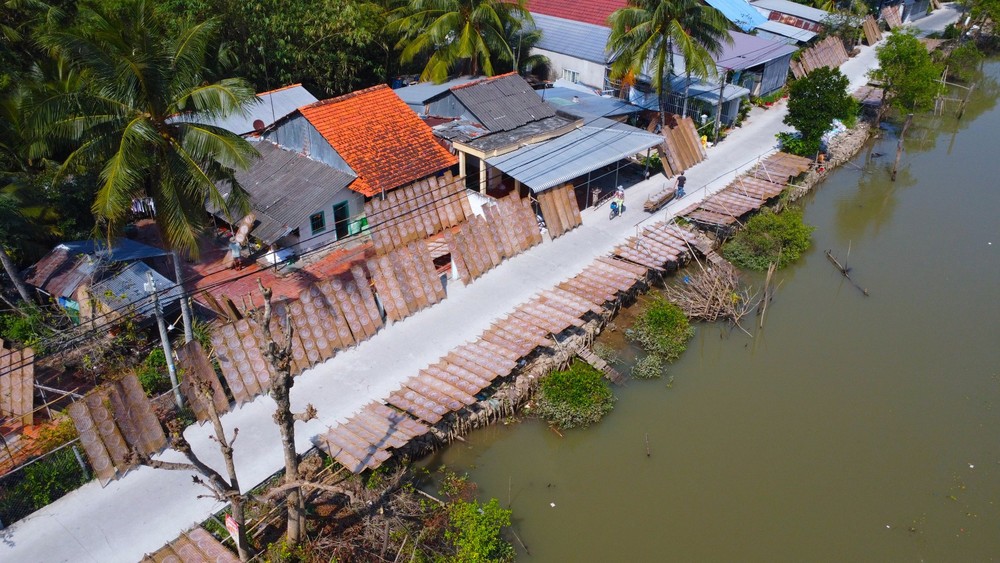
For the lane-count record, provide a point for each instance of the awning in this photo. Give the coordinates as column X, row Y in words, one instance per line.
column 597, row 143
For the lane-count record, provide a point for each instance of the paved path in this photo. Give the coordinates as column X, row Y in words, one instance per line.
column 147, row 508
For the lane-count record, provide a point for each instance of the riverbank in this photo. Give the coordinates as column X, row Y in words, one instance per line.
column 342, row 386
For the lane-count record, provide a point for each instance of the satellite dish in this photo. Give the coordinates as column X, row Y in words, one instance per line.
column 258, row 125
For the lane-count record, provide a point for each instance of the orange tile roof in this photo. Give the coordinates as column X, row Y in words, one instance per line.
column 379, row 137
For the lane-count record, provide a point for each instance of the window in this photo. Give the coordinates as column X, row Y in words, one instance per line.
column 341, row 215
column 571, row 75
column 318, row 222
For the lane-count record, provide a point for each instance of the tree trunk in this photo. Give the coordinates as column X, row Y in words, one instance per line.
column 185, row 303
column 232, row 492
column 280, row 357
column 687, row 89
column 14, row 275
column 286, row 425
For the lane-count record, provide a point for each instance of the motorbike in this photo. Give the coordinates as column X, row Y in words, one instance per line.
column 616, row 210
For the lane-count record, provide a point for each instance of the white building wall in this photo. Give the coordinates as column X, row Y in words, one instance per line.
column 589, row 73
column 309, row 241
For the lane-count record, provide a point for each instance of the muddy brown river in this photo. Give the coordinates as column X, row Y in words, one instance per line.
column 850, row 428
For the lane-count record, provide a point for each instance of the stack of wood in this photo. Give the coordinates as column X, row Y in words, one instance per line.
column 560, row 210
column 893, row 16
column 828, row 52
column 660, row 198
column 681, row 147
column 871, row 30
column 712, row 294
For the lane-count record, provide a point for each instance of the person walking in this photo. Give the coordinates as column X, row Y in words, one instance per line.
column 681, row 180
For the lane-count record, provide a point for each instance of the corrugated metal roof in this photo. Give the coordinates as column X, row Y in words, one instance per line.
column 586, row 105
column 748, row 51
column 591, row 11
column 122, row 249
column 785, row 30
column 703, row 91
column 65, row 267
column 792, row 9
column 127, row 287
column 417, row 95
column 584, row 41
column 503, row 102
column 286, row 187
column 740, row 12
column 550, row 163
column 271, row 107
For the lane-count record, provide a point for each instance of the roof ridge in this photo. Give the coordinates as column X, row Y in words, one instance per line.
column 482, row 80
column 345, row 97
column 296, row 85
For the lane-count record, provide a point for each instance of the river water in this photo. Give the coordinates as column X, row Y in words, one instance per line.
column 851, row 428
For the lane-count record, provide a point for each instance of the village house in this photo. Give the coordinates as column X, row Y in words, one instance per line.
column 87, row 279
column 320, row 162
column 575, row 35
column 508, row 137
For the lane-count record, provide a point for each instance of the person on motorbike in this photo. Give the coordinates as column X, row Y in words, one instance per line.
column 619, row 200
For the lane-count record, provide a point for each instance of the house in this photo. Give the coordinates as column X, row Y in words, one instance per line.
column 88, row 279
column 507, row 136
column 793, row 14
column 575, row 29
column 320, row 162
column 576, row 50
column 270, row 107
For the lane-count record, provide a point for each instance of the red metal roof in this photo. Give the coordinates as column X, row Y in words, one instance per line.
column 586, row 11
column 379, row 137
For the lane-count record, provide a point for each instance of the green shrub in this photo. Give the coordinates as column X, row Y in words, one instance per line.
column 650, row 367
column 951, row 31
column 662, row 330
column 474, row 531
column 39, row 484
column 578, row 396
column 793, row 143
column 51, row 437
column 27, row 329
column 152, row 373
column 769, row 237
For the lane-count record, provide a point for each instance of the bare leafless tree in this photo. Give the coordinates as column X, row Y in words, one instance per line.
column 221, row 489
column 280, row 356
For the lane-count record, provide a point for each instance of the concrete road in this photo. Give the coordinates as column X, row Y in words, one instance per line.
column 148, row 508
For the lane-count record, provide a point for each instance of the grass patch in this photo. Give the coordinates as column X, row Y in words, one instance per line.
column 578, row 396
column 769, row 237
column 662, row 330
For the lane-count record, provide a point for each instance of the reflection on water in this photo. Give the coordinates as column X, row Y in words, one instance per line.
column 849, row 429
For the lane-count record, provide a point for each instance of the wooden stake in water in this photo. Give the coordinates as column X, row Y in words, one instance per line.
column 899, row 146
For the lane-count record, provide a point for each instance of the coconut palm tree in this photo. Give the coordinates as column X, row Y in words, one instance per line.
column 457, row 34
column 140, row 77
column 647, row 34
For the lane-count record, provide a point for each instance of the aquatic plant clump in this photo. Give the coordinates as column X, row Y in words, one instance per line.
column 578, row 396
column 662, row 330
column 769, row 237
column 650, row 367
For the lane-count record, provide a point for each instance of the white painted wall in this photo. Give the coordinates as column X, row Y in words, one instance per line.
column 591, row 73
column 308, row 241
